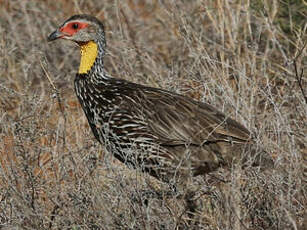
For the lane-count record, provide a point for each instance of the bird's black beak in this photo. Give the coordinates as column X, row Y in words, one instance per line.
column 55, row 35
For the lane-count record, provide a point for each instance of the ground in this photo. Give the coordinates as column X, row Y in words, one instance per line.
column 247, row 58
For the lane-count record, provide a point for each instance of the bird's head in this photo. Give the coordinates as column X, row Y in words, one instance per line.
column 88, row 32
column 80, row 29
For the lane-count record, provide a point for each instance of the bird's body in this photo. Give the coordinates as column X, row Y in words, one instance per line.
column 170, row 136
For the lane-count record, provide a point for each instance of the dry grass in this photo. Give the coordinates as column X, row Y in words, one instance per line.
column 237, row 56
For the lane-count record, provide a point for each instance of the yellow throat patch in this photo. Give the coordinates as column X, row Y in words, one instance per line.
column 89, row 52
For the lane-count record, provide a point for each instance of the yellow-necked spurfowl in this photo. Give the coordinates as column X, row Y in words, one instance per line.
column 170, row 136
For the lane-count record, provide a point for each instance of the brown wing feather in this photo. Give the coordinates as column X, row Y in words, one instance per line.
column 176, row 119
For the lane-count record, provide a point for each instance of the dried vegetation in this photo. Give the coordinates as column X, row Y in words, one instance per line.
column 246, row 57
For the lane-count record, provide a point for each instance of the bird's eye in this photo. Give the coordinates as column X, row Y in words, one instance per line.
column 75, row 26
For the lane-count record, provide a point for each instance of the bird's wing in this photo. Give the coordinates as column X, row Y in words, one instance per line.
column 175, row 120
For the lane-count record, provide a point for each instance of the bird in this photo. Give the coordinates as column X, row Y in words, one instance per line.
column 170, row 136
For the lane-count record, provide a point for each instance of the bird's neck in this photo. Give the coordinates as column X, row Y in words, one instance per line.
column 91, row 55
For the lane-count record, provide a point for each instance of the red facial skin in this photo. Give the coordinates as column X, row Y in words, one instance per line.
column 71, row 28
